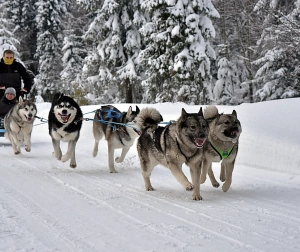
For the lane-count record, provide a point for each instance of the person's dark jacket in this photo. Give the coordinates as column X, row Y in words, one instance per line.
column 10, row 76
column 6, row 105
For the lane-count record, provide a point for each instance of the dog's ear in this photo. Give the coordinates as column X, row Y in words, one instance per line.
column 137, row 109
column 32, row 99
column 20, row 100
column 200, row 112
column 183, row 114
column 129, row 112
column 234, row 113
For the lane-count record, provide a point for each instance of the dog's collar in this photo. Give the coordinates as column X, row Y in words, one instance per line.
column 222, row 154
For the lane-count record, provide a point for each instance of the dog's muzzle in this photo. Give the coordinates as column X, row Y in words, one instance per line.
column 199, row 141
column 233, row 133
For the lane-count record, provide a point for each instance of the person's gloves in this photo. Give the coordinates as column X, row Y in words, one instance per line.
column 2, row 87
column 23, row 90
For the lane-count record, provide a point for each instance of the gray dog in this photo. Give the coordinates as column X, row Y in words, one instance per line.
column 222, row 145
column 172, row 146
column 119, row 130
column 18, row 123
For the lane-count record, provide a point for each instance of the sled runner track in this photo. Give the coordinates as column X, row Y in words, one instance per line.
column 133, row 194
column 92, row 200
column 34, row 216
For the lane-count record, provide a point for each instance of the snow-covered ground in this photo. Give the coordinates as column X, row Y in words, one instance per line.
column 47, row 206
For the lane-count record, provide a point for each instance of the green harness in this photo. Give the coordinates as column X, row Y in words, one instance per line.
column 222, row 154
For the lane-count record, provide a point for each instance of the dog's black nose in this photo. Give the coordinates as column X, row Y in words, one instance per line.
column 64, row 112
column 202, row 136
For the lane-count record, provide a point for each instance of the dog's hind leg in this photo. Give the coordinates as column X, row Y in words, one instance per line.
column 123, row 155
column 146, row 172
column 111, row 152
column 98, row 134
column 57, row 151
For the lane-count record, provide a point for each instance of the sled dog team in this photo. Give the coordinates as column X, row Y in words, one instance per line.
column 195, row 139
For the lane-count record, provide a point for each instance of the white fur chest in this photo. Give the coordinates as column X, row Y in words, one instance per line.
column 62, row 135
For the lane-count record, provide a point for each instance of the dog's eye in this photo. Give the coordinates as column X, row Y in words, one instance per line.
column 226, row 122
column 193, row 128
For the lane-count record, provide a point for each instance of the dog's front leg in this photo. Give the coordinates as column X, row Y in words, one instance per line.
column 27, row 140
column 228, row 170
column 204, row 168
column 57, row 151
column 111, row 165
column 212, row 178
column 123, row 155
column 195, row 170
column 179, row 175
column 70, row 154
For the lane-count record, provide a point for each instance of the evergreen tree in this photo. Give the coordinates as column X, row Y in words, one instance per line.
column 49, row 44
column 21, row 14
column 74, row 52
column 178, row 53
column 228, row 80
column 6, row 35
column 279, row 72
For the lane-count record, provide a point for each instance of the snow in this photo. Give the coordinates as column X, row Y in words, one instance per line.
column 47, row 206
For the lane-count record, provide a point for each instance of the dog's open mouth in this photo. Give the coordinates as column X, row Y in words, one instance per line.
column 64, row 118
column 28, row 118
column 199, row 142
column 231, row 134
column 137, row 131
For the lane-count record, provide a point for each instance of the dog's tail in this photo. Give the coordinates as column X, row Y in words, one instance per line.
column 210, row 112
column 148, row 117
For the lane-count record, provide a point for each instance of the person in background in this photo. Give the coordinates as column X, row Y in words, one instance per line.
column 11, row 74
column 8, row 101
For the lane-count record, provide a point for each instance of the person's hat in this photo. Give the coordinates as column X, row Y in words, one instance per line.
column 10, row 90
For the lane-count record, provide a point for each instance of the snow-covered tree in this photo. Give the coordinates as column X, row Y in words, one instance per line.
column 22, row 13
column 279, row 72
column 74, row 52
column 49, row 44
column 177, row 53
column 6, row 34
column 228, row 81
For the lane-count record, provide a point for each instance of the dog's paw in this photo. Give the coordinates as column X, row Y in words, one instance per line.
column 197, row 196
column 222, row 178
column 150, row 188
column 113, row 171
column 27, row 148
column 202, row 179
column 57, row 157
column 95, row 153
column 65, row 158
column 216, row 184
column 189, row 187
column 226, row 187
column 73, row 165
column 119, row 160
column 17, row 152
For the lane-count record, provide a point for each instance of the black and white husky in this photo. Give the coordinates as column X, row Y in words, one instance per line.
column 119, row 130
column 64, row 122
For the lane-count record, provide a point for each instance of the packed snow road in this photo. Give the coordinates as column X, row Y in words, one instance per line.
column 47, row 206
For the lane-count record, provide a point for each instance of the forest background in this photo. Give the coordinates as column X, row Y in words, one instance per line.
column 148, row 51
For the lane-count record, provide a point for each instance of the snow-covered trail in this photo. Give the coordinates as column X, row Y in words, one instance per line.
column 47, row 206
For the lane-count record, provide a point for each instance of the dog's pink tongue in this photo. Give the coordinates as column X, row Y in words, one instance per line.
column 199, row 141
column 65, row 118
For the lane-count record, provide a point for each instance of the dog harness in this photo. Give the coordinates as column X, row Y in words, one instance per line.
column 222, row 154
